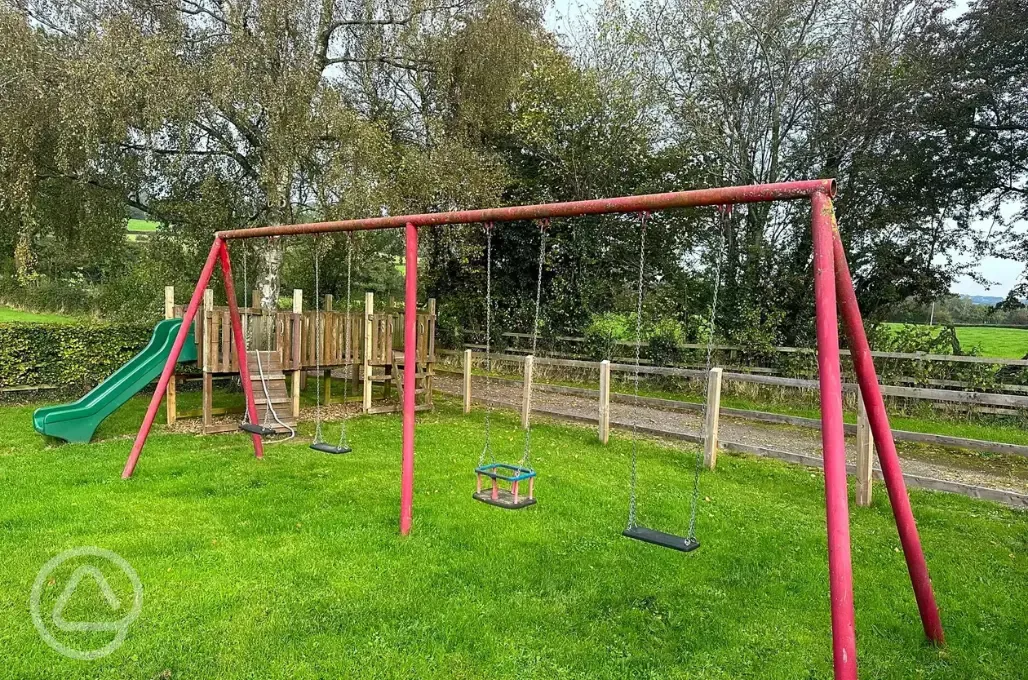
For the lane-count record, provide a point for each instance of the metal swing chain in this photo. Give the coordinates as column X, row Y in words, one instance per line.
column 633, row 479
column 724, row 210
column 543, row 225
column 487, row 448
column 318, row 340
column 344, row 440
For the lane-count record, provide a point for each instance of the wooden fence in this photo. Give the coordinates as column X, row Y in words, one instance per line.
column 713, row 410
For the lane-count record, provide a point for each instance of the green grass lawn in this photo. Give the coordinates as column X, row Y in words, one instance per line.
column 292, row 567
column 141, row 225
column 9, row 314
column 1009, row 343
column 1004, row 343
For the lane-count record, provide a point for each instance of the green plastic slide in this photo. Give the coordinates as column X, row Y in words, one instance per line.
column 77, row 421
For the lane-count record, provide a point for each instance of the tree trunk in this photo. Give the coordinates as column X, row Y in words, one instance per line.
column 269, row 283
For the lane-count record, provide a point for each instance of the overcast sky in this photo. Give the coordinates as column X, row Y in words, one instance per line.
column 1002, row 274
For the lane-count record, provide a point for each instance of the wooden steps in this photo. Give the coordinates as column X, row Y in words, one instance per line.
column 275, row 384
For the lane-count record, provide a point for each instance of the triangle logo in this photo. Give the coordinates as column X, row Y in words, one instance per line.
column 69, row 590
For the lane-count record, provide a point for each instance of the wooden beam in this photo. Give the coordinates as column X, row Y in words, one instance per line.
column 467, row 381
column 526, row 397
column 604, row 401
column 430, row 349
column 170, row 401
column 295, row 379
column 711, row 418
column 369, row 310
column 207, row 395
column 865, row 454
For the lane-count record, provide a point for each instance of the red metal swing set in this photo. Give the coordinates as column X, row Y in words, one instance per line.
column 833, row 295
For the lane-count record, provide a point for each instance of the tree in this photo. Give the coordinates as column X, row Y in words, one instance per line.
column 212, row 115
column 768, row 92
column 1011, row 303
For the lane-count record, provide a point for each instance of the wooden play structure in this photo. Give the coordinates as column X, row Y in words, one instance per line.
column 373, row 359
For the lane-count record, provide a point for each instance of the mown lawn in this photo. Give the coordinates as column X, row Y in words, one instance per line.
column 1009, row 343
column 1004, row 343
column 292, row 567
column 141, row 225
column 9, row 314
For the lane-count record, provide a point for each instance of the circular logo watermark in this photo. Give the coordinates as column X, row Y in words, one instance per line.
column 89, row 569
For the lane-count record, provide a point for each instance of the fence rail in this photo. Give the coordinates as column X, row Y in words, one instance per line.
column 913, row 356
column 711, row 406
column 1012, row 401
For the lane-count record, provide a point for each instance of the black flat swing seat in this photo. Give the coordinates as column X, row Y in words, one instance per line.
column 258, row 430
column 508, row 499
column 325, row 447
column 662, row 539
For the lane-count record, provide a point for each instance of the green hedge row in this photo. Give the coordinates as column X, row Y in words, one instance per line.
column 66, row 355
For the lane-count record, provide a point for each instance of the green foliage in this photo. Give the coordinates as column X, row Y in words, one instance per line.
column 911, row 338
column 66, row 354
column 606, row 334
column 665, row 339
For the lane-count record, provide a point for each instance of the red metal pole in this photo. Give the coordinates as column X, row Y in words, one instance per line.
column 410, row 366
column 753, row 193
column 169, row 366
column 885, row 444
column 240, row 343
column 840, row 569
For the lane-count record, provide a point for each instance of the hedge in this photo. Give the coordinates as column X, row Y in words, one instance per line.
column 66, row 355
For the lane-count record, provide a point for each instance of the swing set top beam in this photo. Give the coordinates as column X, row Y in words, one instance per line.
column 754, row 193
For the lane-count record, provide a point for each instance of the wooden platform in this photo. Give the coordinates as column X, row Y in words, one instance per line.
column 366, row 345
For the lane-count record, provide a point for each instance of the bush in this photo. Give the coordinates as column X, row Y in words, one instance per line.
column 33, row 354
column 606, row 331
column 70, row 297
column 666, row 339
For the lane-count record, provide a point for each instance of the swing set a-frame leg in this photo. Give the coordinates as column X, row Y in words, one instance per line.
column 219, row 251
column 885, row 444
column 240, row 343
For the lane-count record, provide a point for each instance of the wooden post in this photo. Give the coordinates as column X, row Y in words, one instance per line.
column 208, row 381
column 369, row 309
column 170, row 403
column 711, row 415
column 169, row 302
column 865, row 453
column 604, row 401
column 295, row 380
column 526, row 400
column 326, row 374
column 467, row 381
column 429, row 350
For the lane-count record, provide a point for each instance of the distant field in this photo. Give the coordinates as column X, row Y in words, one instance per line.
column 141, row 226
column 1011, row 343
column 8, row 314
column 1007, row 343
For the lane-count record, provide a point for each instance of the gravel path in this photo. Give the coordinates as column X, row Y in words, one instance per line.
column 781, row 437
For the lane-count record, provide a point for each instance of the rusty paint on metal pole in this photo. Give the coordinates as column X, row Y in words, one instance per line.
column 240, row 343
column 169, row 365
column 860, row 351
column 840, row 567
column 754, row 193
column 410, row 366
